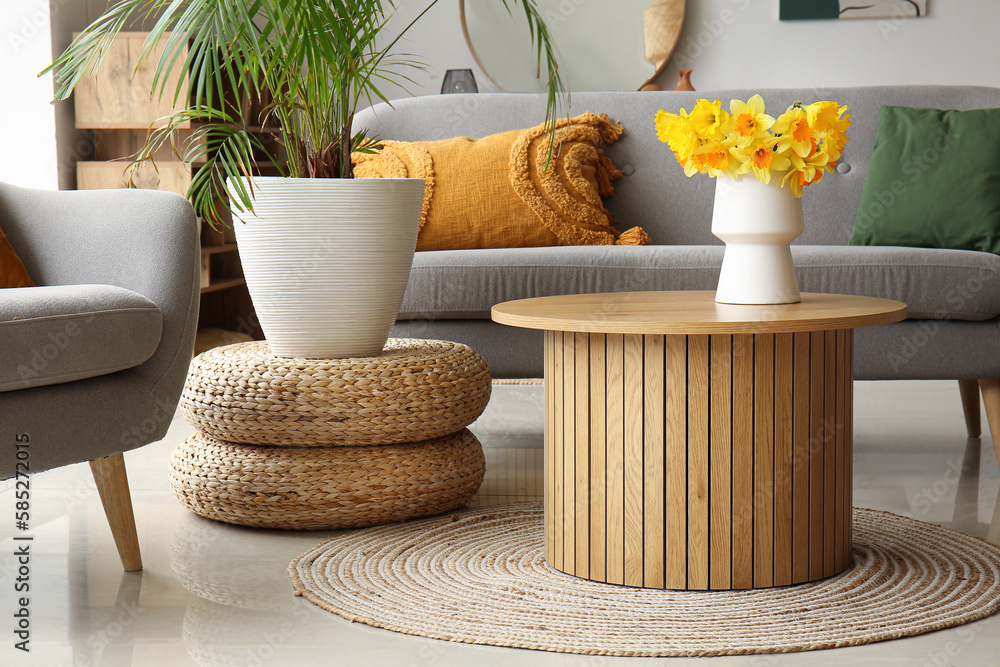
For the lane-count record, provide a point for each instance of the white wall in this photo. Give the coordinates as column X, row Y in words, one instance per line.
column 438, row 41
column 728, row 43
column 741, row 43
column 954, row 43
column 29, row 155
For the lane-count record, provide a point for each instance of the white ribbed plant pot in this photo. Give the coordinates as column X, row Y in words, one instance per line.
column 757, row 221
column 327, row 260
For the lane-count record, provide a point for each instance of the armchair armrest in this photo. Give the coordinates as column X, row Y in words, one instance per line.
column 143, row 240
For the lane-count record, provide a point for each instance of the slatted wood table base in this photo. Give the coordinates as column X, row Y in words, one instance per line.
column 709, row 461
column 696, row 445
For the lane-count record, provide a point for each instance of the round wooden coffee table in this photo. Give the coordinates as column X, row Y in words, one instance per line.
column 696, row 445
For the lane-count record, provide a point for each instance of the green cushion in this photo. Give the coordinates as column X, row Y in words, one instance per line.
column 933, row 181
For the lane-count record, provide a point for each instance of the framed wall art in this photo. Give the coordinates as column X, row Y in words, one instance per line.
column 852, row 9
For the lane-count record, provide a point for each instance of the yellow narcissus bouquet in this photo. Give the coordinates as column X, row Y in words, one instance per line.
column 802, row 144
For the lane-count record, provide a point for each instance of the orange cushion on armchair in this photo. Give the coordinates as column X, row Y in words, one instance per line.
column 12, row 271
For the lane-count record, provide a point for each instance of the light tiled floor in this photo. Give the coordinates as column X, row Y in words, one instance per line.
column 214, row 594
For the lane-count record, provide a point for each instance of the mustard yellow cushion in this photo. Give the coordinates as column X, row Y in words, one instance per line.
column 495, row 192
column 12, row 271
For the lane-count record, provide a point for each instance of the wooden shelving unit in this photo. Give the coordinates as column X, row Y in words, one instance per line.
column 223, row 284
column 117, row 108
column 218, row 270
column 118, row 111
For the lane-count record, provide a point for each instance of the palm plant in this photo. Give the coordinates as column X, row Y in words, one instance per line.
column 307, row 65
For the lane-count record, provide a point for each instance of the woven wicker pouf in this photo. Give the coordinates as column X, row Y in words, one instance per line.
column 415, row 390
column 320, row 488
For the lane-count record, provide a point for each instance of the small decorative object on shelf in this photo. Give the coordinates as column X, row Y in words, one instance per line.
column 757, row 217
column 459, row 81
column 684, row 80
column 661, row 28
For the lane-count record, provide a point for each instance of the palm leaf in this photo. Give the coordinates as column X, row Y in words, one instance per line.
column 307, row 65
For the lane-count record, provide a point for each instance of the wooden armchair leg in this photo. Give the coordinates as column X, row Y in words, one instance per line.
column 112, row 484
column 970, row 404
column 991, row 399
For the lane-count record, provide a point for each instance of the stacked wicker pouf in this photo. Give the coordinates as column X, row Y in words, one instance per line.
column 308, row 444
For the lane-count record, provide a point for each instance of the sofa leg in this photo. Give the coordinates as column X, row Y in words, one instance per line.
column 991, row 399
column 112, row 484
column 970, row 404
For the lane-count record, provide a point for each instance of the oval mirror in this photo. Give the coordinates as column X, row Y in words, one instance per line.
column 601, row 45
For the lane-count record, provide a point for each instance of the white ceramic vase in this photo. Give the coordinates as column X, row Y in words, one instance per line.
column 757, row 221
column 327, row 260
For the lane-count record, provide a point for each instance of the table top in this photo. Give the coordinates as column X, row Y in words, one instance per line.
column 694, row 312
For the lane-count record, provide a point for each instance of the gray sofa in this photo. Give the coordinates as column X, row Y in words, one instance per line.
column 953, row 295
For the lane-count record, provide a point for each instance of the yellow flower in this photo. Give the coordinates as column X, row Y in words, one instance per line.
column 800, row 146
column 838, row 135
column 691, row 166
column 761, row 158
column 718, row 158
column 794, row 132
column 808, row 170
column 794, row 180
column 708, row 119
column 823, row 116
column 666, row 124
column 825, row 119
column 749, row 118
column 676, row 131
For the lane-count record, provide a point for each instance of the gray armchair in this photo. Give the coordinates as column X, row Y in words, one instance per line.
column 93, row 360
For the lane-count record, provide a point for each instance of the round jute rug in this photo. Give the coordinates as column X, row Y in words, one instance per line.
column 479, row 577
